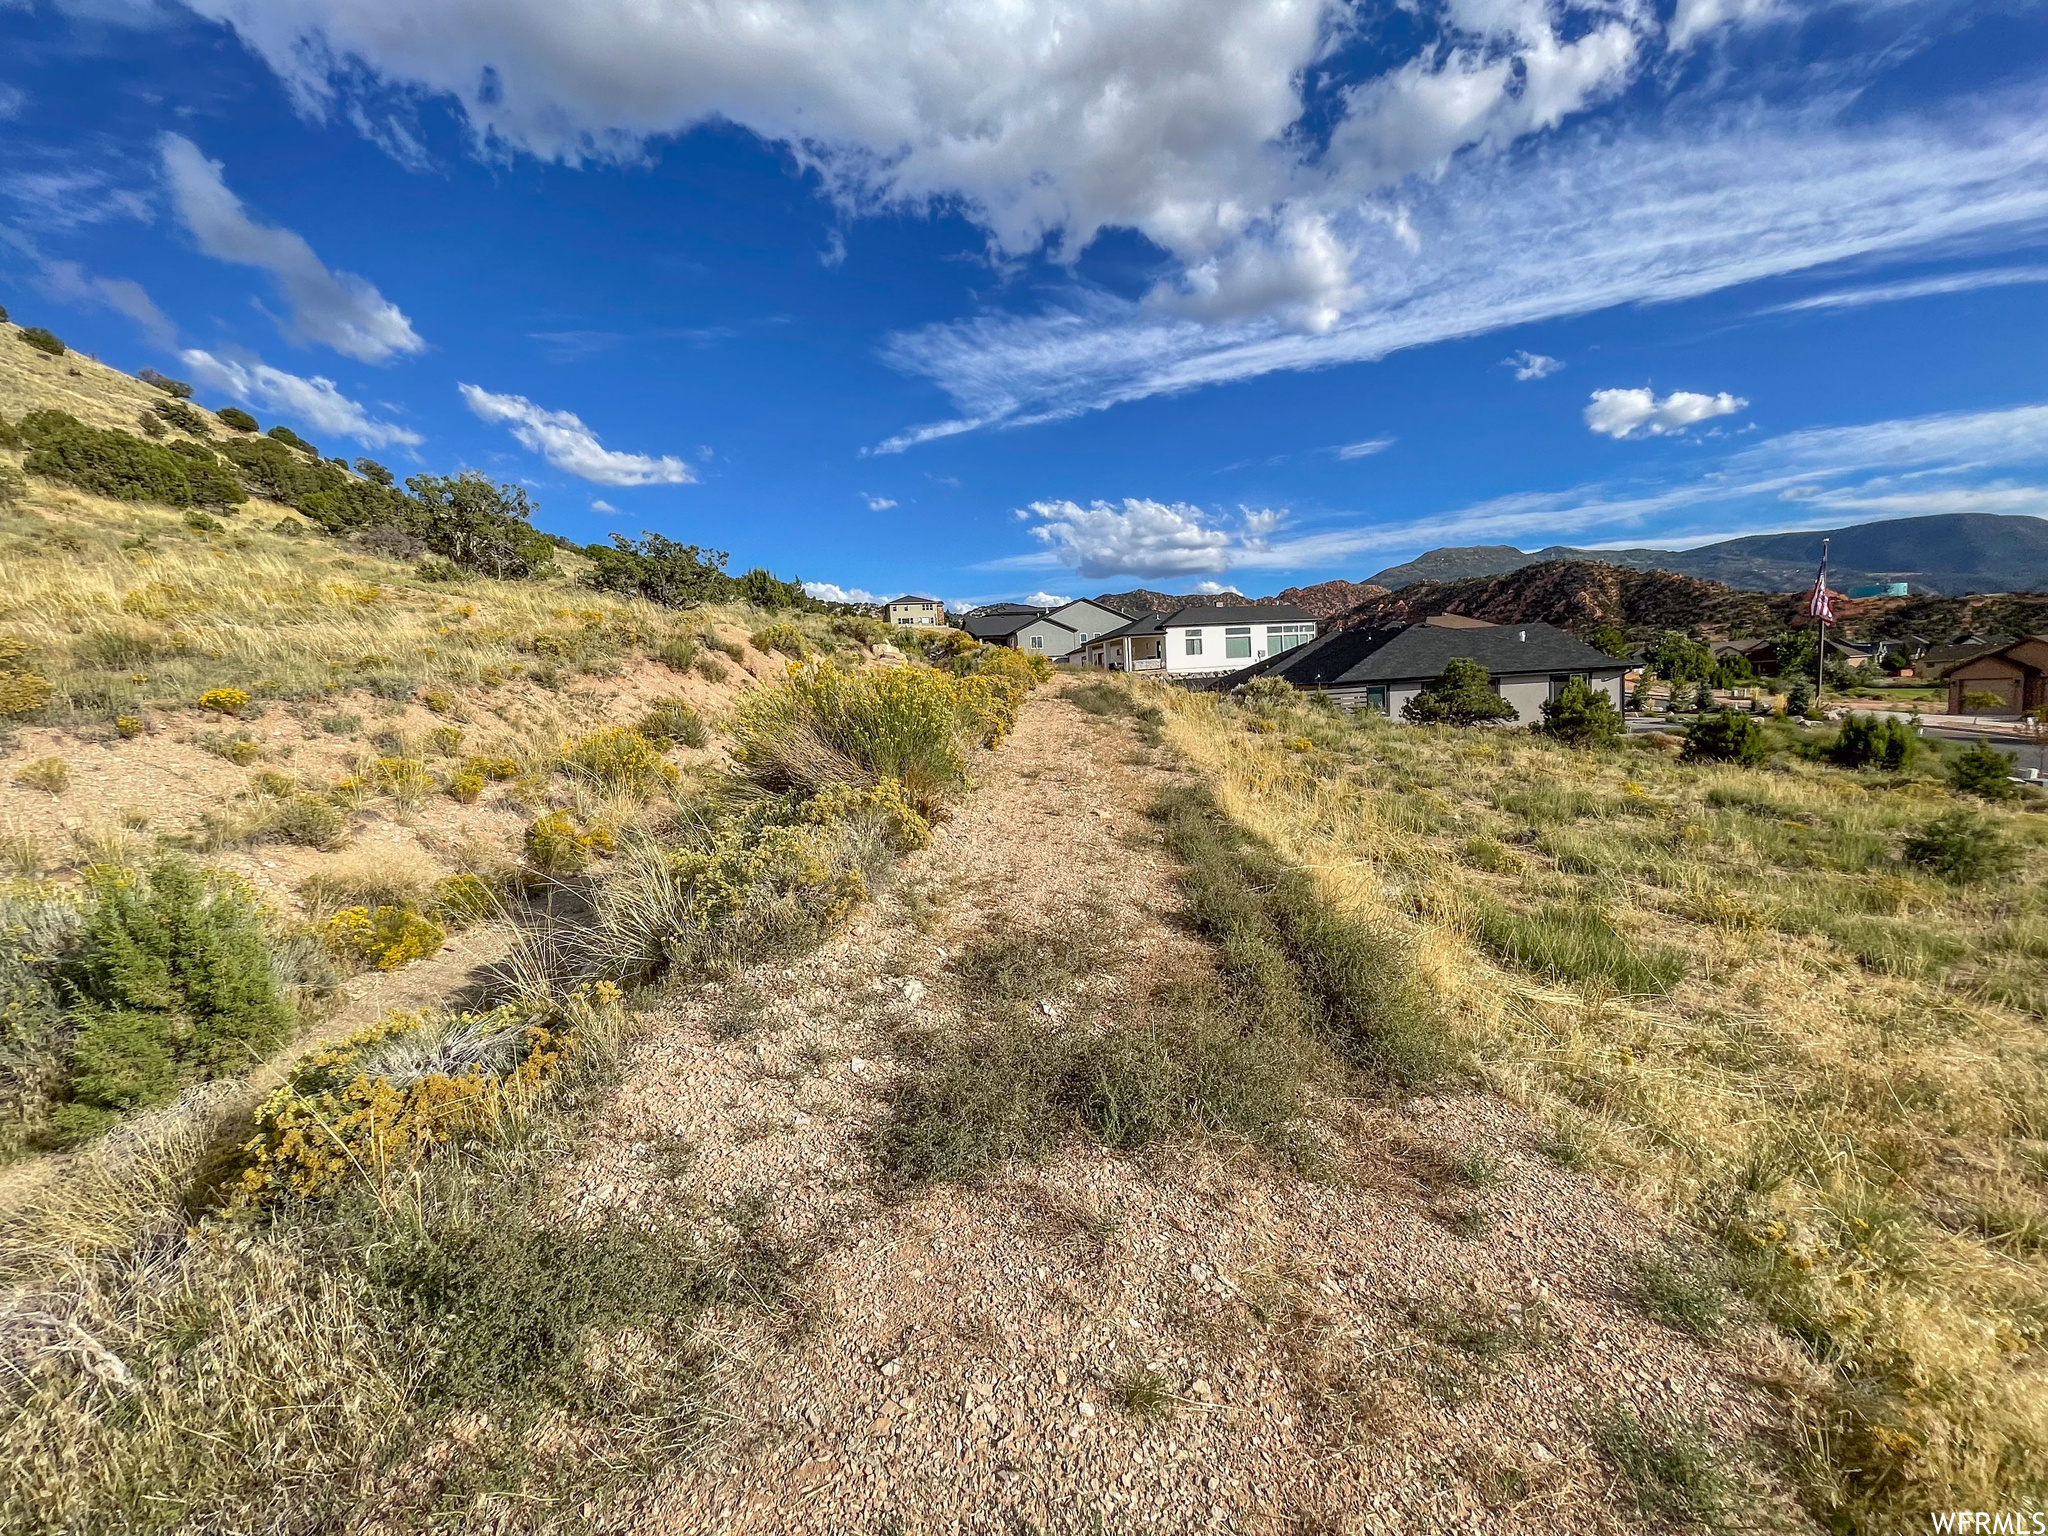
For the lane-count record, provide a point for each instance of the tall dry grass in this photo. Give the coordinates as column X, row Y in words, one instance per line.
column 1729, row 985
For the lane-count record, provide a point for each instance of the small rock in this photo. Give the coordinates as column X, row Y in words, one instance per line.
column 893, row 1368
column 856, row 1066
column 1087, row 1410
column 1538, row 1451
column 913, row 990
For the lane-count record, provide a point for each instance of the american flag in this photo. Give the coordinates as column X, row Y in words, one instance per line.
column 1819, row 605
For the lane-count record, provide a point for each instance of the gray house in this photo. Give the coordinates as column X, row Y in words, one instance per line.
column 1050, row 632
column 1386, row 667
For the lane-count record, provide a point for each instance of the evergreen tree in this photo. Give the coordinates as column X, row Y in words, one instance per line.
column 1983, row 771
column 1725, row 738
column 1462, row 694
column 1582, row 716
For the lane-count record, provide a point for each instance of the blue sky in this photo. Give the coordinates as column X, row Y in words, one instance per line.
column 1051, row 299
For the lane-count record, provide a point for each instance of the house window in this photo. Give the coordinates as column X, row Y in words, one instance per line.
column 1038, row 642
column 1376, row 698
column 1237, row 644
column 1285, row 637
column 1194, row 642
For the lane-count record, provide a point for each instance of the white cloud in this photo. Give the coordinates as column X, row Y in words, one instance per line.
column 1916, row 288
column 1139, row 537
column 564, row 441
column 826, row 592
column 68, row 281
column 1639, row 413
column 12, row 100
column 335, row 309
column 1580, row 222
column 1366, row 449
column 1696, row 18
column 314, row 403
column 1045, row 600
column 602, row 506
column 876, row 503
column 1531, row 365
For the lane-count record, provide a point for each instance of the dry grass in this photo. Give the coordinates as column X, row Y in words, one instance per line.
column 1831, row 1063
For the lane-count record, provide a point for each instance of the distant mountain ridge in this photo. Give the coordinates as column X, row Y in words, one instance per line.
column 1582, row 594
column 1949, row 554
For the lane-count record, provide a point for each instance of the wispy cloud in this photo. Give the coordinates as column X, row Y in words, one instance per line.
column 334, row 309
column 1364, row 450
column 564, row 441
column 314, row 403
column 1914, row 288
column 876, row 503
column 1817, row 478
column 1587, row 221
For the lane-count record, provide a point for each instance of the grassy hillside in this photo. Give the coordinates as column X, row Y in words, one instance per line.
column 1758, row 998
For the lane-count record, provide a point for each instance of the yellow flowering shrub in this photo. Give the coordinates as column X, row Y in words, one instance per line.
column 465, row 787
column 619, row 757
column 224, row 701
column 495, row 769
column 903, row 829
column 462, row 899
column 22, row 690
column 409, row 1085
column 386, row 937
column 439, row 700
column 786, row 638
column 557, row 847
column 405, row 777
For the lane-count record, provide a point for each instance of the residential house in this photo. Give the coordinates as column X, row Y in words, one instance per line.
column 1052, row 632
column 2017, row 672
column 1383, row 668
column 916, row 610
column 1203, row 640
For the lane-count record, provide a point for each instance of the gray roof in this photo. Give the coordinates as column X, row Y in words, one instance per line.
column 1418, row 652
column 912, row 597
column 1190, row 618
column 995, row 626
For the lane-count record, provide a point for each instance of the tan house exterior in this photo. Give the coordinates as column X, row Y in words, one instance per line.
column 916, row 610
column 2016, row 673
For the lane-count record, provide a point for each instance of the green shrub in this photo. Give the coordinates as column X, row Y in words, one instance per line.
column 1984, row 771
column 1725, row 738
column 1462, row 694
column 1962, row 848
column 42, row 340
column 675, row 720
column 459, row 900
column 1578, row 944
column 123, row 467
column 1582, row 716
column 678, row 654
column 291, row 439
column 199, row 522
column 234, row 416
column 308, row 821
column 1867, row 742
column 177, row 389
column 1799, row 699
column 51, row 775
column 176, row 413
column 556, row 847
column 713, row 670
column 174, row 981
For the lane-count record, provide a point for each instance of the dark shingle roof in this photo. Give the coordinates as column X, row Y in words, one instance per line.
column 1187, row 618
column 1420, row 651
column 995, row 626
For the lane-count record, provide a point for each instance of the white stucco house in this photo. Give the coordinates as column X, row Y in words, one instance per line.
column 1203, row 640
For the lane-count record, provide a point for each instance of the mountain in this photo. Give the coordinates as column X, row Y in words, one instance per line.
column 1951, row 554
column 1580, row 594
column 1143, row 600
column 1327, row 598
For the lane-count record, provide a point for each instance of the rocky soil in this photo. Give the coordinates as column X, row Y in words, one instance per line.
column 1433, row 1336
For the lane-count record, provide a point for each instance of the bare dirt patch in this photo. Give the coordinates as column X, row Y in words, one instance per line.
column 1441, row 1329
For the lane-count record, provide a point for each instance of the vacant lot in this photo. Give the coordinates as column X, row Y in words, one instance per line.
column 1738, row 992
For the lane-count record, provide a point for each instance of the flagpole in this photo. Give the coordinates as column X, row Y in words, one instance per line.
column 1820, row 662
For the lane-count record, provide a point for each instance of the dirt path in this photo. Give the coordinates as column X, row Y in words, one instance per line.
column 1395, row 1347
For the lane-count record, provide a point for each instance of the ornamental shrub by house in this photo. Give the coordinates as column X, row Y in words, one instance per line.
column 1462, row 694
